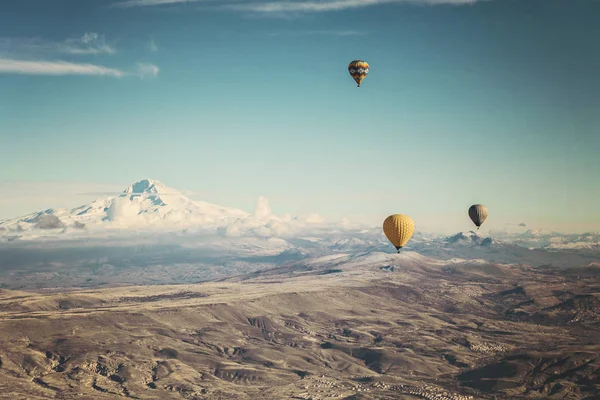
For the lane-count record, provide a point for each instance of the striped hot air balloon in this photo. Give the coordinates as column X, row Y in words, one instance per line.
column 358, row 70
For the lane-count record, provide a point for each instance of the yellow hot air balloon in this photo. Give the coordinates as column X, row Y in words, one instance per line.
column 398, row 228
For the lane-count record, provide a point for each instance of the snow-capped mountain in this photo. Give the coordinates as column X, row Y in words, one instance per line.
column 146, row 203
column 470, row 239
column 149, row 206
column 550, row 240
column 537, row 233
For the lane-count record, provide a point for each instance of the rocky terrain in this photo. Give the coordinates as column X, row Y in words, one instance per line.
column 373, row 326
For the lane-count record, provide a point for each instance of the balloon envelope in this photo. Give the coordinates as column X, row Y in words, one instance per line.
column 398, row 228
column 358, row 70
column 478, row 213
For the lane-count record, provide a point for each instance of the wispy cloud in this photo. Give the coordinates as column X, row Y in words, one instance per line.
column 335, row 33
column 55, row 68
column 145, row 3
column 328, row 5
column 88, row 43
column 522, row 224
column 27, row 67
column 145, row 70
column 97, row 194
column 35, row 56
column 152, row 46
column 290, row 6
column 321, row 32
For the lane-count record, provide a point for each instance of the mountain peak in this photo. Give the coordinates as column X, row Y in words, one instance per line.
column 475, row 238
column 147, row 204
column 149, row 186
column 470, row 235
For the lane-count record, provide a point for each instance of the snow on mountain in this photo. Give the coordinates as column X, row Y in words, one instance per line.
column 146, row 203
column 149, row 201
column 349, row 243
column 246, row 246
column 467, row 261
column 537, row 233
column 566, row 245
column 548, row 240
column 470, row 239
column 352, row 260
column 149, row 205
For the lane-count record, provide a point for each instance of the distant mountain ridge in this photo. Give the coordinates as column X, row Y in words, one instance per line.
column 150, row 206
column 471, row 238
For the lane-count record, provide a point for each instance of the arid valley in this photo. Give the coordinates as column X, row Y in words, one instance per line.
column 365, row 326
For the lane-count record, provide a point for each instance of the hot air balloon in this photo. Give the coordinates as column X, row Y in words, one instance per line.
column 398, row 228
column 478, row 213
column 359, row 70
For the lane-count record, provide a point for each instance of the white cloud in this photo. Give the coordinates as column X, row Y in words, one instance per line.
column 329, row 5
column 314, row 218
column 122, row 208
column 147, row 70
column 55, row 68
column 263, row 223
column 262, row 209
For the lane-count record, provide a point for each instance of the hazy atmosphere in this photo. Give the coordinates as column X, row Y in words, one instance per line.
column 318, row 200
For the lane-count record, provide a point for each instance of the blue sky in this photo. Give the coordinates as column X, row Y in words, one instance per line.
column 491, row 101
